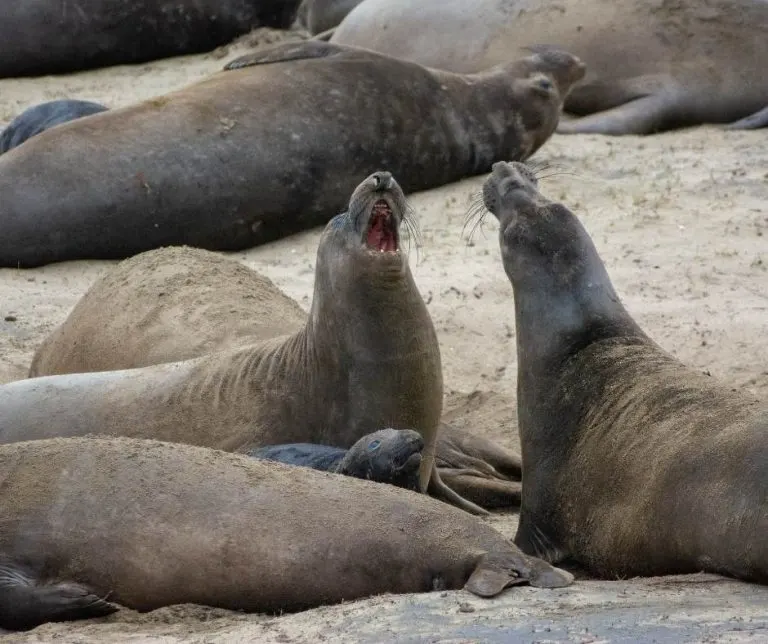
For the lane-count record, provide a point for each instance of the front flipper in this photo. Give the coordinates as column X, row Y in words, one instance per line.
column 286, row 52
column 478, row 469
column 497, row 571
column 26, row 603
column 751, row 122
column 644, row 115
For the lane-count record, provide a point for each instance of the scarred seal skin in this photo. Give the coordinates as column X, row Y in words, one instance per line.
column 91, row 524
column 652, row 65
column 38, row 118
column 40, row 37
column 270, row 146
column 633, row 464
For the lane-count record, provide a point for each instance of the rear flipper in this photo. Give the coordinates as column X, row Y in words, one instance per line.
column 497, row 571
column 26, row 603
column 478, row 469
column 751, row 122
column 644, row 115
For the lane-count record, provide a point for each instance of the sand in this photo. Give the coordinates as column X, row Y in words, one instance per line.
column 681, row 221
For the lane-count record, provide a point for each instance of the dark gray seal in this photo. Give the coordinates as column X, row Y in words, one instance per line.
column 48, row 37
column 633, row 464
column 651, row 64
column 271, row 146
column 38, row 118
column 92, row 524
column 387, row 456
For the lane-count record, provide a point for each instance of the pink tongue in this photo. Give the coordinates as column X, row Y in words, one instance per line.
column 381, row 234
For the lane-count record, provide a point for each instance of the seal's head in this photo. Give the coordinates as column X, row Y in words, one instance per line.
column 386, row 456
column 541, row 82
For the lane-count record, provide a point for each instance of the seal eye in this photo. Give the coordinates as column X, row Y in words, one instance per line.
column 374, row 444
column 545, row 84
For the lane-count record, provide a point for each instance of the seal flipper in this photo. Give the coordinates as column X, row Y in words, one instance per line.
column 438, row 488
column 485, row 491
column 25, row 603
column 640, row 116
column 499, row 570
column 286, row 52
column 752, row 122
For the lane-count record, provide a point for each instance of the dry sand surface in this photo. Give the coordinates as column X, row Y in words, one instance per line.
column 681, row 221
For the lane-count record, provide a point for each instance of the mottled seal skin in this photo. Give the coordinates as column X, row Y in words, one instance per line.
column 86, row 520
column 47, row 37
column 366, row 357
column 270, row 146
column 652, row 65
column 387, row 456
column 634, row 464
column 317, row 16
column 38, row 118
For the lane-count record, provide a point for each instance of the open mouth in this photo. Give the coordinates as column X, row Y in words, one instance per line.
column 382, row 229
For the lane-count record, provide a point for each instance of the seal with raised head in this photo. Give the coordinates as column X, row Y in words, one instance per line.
column 634, row 464
column 38, row 118
column 270, row 146
column 366, row 357
column 387, row 456
column 147, row 524
column 178, row 303
column 44, row 37
column 651, row 64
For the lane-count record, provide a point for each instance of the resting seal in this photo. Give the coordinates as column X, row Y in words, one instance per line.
column 270, row 146
column 175, row 304
column 366, row 357
column 89, row 519
column 634, row 464
column 651, row 64
column 387, row 456
column 45, row 37
column 38, row 118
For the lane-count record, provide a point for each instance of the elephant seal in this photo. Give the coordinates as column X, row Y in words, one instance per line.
column 178, row 303
column 634, row 464
column 38, row 118
column 651, row 64
column 45, row 37
column 317, row 16
column 270, row 146
column 86, row 520
column 387, row 456
column 366, row 357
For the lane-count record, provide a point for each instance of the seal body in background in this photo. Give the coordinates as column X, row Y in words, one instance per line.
column 651, row 64
column 634, row 464
column 273, row 145
column 39, row 37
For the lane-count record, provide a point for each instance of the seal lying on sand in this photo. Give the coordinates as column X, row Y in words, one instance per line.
column 651, row 64
column 48, row 37
column 90, row 519
column 634, row 464
column 365, row 358
column 387, row 456
column 271, row 146
column 38, row 118
column 174, row 304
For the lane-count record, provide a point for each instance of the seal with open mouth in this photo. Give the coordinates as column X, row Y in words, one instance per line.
column 633, row 464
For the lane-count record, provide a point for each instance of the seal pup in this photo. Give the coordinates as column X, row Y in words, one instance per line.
column 38, row 118
column 387, row 456
column 651, row 64
column 40, row 37
column 634, row 464
column 366, row 357
column 91, row 519
column 270, row 146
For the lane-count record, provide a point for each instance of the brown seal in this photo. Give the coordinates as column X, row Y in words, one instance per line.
column 147, row 524
column 651, row 64
column 272, row 145
column 365, row 358
column 633, row 463
column 175, row 304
